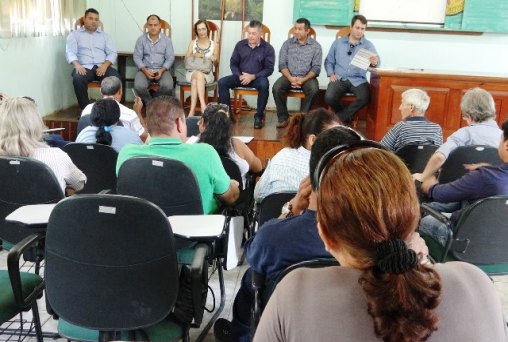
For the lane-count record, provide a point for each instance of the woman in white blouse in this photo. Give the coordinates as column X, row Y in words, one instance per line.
column 21, row 130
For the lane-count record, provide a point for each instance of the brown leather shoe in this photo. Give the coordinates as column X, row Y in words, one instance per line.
column 282, row 124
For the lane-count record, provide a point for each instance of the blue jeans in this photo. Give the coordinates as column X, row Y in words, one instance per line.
column 261, row 84
column 282, row 85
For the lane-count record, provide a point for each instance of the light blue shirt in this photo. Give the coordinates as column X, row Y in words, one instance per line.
column 154, row 55
column 90, row 49
column 338, row 61
column 121, row 136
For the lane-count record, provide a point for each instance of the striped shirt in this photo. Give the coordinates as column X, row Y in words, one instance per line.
column 284, row 172
column 413, row 130
column 299, row 59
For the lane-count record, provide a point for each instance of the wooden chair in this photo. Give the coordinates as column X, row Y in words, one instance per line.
column 298, row 93
column 186, row 86
column 349, row 98
column 239, row 92
column 78, row 24
column 166, row 29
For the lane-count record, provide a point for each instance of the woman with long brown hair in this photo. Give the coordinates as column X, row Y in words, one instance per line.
column 383, row 290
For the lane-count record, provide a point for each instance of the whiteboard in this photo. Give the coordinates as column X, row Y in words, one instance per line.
column 404, row 11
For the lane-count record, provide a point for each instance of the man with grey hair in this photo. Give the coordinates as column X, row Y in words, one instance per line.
column 479, row 111
column 111, row 87
column 414, row 128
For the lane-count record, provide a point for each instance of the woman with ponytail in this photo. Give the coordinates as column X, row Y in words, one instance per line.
column 290, row 165
column 105, row 130
column 367, row 216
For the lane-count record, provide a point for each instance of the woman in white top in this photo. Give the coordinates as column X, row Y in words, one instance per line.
column 201, row 47
column 21, row 130
column 216, row 130
column 290, row 165
column 105, row 130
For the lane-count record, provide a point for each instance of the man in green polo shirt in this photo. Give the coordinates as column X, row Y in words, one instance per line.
column 165, row 122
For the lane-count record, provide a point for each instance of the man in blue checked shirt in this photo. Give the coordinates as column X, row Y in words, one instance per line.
column 92, row 53
column 346, row 78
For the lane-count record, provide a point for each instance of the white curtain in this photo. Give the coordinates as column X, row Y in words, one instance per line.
column 35, row 18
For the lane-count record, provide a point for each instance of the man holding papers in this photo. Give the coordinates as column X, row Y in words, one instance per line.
column 346, row 66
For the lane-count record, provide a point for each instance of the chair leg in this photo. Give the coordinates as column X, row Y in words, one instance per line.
column 182, row 95
column 37, row 321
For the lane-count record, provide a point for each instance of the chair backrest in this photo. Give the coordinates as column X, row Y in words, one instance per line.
column 481, row 235
column 232, row 169
column 265, row 34
column 342, row 32
column 453, row 168
column 312, row 32
column 192, row 125
column 81, row 21
column 110, row 262
column 98, row 163
column 24, row 181
column 165, row 27
column 416, row 156
column 168, row 183
column 271, row 206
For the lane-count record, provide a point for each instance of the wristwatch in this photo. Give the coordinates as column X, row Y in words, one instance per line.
column 287, row 209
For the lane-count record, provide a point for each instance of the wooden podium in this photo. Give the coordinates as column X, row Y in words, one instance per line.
column 444, row 88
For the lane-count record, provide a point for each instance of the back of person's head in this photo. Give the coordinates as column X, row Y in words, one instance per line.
column 479, row 104
column 418, row 98
column 161, row 115
column 256, row 24
column 367, row 207
column 218, row 129
column 304, row 124
column 360, row 17
column 201, row 21
column 328, row 139
column 21, row 127
column 110, row 85
column 304, row 21
column 91, row 10
column 105, row 114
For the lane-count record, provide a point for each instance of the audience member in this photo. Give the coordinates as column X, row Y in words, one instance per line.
column 111, row 88
column 217, row 129
column 479, row 111
column 92, row 52
column 252, row 62
column 154, row 56
column 201, row 47
column 104, row 130
column 21, row 130
column 347, row 78
column 367, row 210
column 290, row 165
column 300, row 63
column 414, row 127
column 165, row 121
column 482, row 182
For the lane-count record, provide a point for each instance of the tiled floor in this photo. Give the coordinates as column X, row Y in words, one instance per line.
column 232, row 282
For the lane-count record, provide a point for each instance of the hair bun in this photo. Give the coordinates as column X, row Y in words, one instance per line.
column 393, row 256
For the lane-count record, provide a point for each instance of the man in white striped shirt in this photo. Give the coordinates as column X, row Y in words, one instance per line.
column 414, row 127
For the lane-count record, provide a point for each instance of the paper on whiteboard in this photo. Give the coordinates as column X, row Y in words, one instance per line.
column 362, row 59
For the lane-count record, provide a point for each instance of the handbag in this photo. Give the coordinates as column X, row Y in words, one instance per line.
column 200, row 64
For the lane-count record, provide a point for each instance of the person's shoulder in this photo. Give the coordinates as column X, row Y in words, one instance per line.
column 87, row 110
column 460, row 272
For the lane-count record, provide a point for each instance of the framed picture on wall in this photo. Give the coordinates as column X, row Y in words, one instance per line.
column 210, row 9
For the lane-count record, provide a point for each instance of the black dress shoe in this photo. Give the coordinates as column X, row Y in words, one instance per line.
column 283, row 123
column 222, row 330
column 258, row 123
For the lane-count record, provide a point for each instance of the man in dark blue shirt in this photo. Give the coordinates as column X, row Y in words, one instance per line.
column 252, row 62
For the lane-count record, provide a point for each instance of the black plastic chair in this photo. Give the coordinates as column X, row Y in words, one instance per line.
column 416, row 156
column 192, row 125
column 19, row 291
column 83, row 122
column 480, row 236
column 453, row 168
column 111, row 266
column 98, row 163
column 271, row 206
column 264, row 288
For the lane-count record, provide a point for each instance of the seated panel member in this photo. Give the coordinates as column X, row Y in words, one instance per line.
column 92, row 52
column 345, row 78
column 251, row 63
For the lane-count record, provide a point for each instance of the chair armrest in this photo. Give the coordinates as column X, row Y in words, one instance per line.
column 434, row 213
column 15, row 275
column 449, row 237
column 199, row 279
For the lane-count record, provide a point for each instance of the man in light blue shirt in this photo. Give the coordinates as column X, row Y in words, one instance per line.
column 92, row 53
column 344, row 77
column 154, row 56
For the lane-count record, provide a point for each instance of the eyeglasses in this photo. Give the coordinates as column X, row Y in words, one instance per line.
column 221, row 106
column 351, row 47
column 328, row 158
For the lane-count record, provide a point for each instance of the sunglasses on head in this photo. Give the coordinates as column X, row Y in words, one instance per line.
column 221, row 106
column 337, row 151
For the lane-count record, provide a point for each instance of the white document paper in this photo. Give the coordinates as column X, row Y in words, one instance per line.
column 245, row 139
column 361, row 59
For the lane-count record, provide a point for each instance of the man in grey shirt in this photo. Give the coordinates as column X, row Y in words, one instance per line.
column 154, row 56
column 300, row 63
